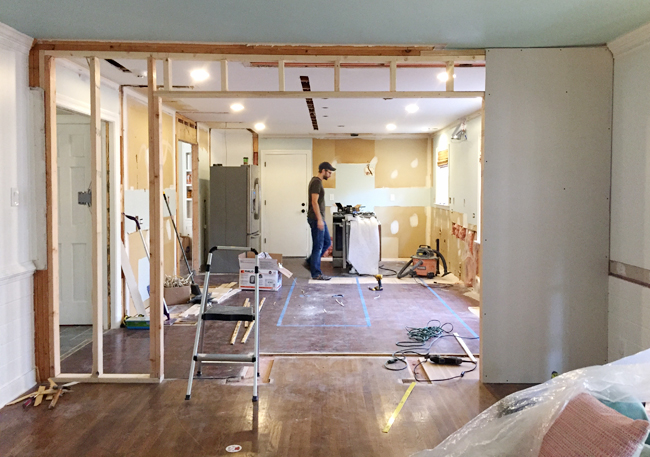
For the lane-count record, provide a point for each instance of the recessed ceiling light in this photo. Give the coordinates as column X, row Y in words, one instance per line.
column 412, row 108
column 236, row 107
column 391, row 127
column 260, row 126
column 199, row 74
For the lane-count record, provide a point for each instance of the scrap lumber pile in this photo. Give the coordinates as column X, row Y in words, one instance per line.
column 50, row 393
column 217, row 295
column 249, row 325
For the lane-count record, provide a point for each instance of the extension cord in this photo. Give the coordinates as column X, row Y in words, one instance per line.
column 441, row 360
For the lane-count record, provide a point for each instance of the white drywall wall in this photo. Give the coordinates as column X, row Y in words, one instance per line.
column 629, row 304
column 17, row 372
column 545, row 236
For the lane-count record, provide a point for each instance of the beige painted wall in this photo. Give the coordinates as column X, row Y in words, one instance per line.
column 137, row 177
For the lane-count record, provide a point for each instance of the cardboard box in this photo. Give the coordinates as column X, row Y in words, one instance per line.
column 177, row 295
column 271, row 271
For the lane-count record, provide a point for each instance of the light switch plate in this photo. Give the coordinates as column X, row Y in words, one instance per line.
column 14, row 196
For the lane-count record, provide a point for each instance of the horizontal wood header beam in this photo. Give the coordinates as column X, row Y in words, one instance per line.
column 243, row 52
column 180, row 94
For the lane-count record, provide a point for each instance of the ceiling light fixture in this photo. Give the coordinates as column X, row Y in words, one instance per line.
column 199, row 74
column 391, row 127
column 443, row 76
column 260, row 126
column 236, row 107
column 412, row 108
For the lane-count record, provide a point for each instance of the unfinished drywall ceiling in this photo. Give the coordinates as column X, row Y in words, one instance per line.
column 468, row 24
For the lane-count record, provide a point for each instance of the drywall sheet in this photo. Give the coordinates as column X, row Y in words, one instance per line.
column 136, row 203
column 354, row 151
column 324, row 151
column 630, row 158
column 545, row 233
column 407, row 224
column 137, row 144
column 168, row 151
column 401, row 163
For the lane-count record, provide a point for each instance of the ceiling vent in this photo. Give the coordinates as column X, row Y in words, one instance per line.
column 304, row 80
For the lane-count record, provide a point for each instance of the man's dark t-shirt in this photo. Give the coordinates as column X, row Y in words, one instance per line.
column 316, row 187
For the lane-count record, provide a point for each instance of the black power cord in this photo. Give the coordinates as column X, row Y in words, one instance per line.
column 416, row 346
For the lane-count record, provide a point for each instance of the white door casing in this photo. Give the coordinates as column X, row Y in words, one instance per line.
column 75, row 224
column 285, row 176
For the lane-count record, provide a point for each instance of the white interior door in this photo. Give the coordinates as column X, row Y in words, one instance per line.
column 75, row 223
column 285, row 176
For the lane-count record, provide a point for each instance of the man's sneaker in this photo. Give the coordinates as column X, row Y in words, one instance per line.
column 321, row 278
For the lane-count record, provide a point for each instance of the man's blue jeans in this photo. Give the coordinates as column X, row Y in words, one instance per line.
column 320, row 242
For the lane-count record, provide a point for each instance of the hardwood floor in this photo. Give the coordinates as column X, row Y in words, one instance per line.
column 314, row 406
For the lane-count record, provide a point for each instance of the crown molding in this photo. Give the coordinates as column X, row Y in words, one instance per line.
column 630, row 41
column 13, row 39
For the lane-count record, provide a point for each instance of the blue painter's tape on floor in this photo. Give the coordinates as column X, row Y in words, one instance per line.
column 286, row 304
column 453, row 312
column 363, row 302
column 324, row 325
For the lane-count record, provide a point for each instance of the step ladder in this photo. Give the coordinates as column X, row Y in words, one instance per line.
column 226, row 313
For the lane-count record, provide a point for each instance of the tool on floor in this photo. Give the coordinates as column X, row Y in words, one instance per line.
column 196, row 290
column 378, row 287
column 226, row 313
column 425, row 263
column 146, row 251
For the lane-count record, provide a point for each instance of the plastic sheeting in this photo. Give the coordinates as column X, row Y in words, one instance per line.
column 516, row 425
column 363, row 251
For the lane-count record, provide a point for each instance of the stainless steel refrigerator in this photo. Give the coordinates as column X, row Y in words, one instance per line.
column 234, row 213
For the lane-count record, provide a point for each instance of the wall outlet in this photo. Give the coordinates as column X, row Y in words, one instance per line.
column 331, row 197
column 15, row 197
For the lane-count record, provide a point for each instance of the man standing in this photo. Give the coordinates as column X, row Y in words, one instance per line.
column 320, row 236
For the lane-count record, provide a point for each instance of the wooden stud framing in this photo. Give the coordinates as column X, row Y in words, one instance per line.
column 450, row 76
column 224, row 75
column 156, row 344
column 281, row 83
column 393, row 76
column 46, row 282
column 196, row 223
column 180, row 94
column 480, row 232
column 167, row 70
column 96, row 215
column 208, row 51
column 337, row 76
column 42, row 73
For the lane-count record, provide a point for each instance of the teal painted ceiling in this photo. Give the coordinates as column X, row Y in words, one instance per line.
column 457, row 24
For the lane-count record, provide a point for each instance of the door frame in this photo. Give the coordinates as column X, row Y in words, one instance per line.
column 264, row 153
